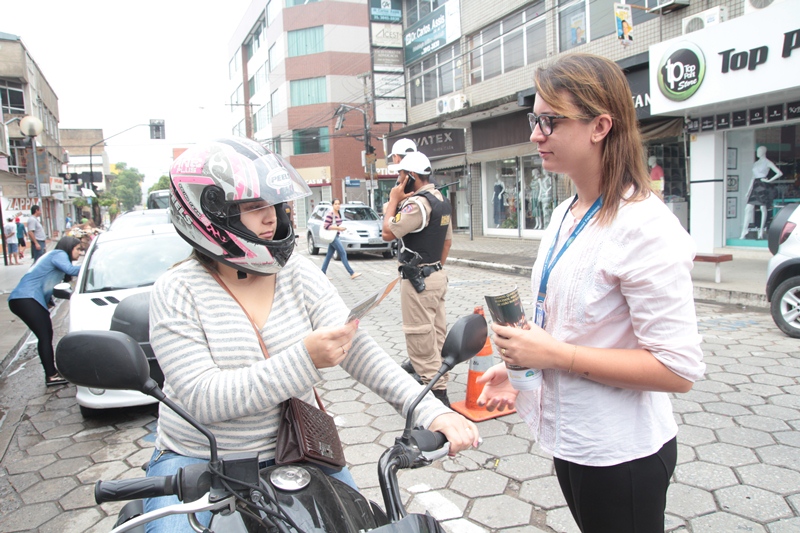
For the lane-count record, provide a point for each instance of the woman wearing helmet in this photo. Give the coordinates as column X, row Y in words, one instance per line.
column 227, row 201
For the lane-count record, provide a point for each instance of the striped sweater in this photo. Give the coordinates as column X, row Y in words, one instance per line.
column 214, row 368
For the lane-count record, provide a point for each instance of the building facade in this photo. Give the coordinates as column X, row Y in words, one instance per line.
column 469, row 82
column 295, row 68
column 24, row 91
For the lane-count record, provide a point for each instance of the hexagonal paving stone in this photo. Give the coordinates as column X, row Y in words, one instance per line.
column 787, row 525
column 461, row 525
column 764, row 423
column 343, row 408
column 28, row 464
column 725, row 454
column 356, row 420
column 771, row 478
column 544, row 492
column 423, row 479
column 719, row 522
column 114, row 452
column 561, row 520
column 479, row 483
column 441, row 504
column 500, row 511
column 694, row 435
column 708, row 420
column 727, row 409
column 76, row 520
column 65, row 467
column 705, row 475
column 751, row 438
column 48, row 446
column 524, row 466
column 686, row 502
column 51, row 489
column 753, row 503
column 358, row 435
column 29, row 517
column 780, row 455
column 685, row 454
column 504, row 445
column 359, row 454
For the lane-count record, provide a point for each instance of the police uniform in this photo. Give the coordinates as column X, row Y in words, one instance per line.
column 422, row 222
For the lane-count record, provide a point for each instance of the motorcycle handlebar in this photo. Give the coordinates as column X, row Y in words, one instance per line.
column 134, row 489
column 428, row 441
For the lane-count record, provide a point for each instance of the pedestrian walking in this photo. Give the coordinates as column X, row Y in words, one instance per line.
column 36, row 233
column 21, row 238
column 417, row 214
column 12, row 243
column 32, row 297
column 333, row 220
column 615, row 328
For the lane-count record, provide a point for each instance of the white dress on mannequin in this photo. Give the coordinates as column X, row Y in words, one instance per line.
column 758, row 194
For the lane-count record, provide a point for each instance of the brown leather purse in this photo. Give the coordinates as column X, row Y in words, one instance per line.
column 305, row 433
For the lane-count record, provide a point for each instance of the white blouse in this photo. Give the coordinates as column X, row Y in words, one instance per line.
column 623, row 285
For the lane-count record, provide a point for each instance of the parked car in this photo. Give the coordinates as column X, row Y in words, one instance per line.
column 141, row 217
column 120, row 264
column 363, row 232
column 783, row 270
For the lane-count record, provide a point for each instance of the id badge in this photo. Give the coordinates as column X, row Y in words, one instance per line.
column 539, row 317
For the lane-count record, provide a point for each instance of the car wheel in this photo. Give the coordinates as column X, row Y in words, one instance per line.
column 785, row 307
column 388, row 254
column 336, row 255
column 86, row 412
column 312, row 250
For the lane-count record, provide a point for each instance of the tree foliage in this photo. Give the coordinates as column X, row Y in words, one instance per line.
column 127, row 186
column 160, row 185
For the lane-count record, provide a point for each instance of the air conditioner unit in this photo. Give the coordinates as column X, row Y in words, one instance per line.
column 704, row 19
column 751, row 6
column 450, row 103
column 667, row 6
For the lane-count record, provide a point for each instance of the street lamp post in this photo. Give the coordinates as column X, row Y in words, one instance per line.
column 339, row 114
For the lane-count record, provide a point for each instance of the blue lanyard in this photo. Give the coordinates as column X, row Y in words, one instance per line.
column 548, row 264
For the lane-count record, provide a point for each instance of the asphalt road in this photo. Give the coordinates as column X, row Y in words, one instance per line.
column 739, row 451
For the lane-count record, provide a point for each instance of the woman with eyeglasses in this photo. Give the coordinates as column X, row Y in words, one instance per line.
column 615, row 329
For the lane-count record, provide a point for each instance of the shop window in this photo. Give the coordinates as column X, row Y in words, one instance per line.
column 306, row 41
column 12, row 97
column 509, row 44
column 436, row 75
column 311, row 141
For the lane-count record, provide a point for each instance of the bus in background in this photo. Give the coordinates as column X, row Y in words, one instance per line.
column 158, row 199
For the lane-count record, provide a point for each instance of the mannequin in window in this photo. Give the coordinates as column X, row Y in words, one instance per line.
column 498, row 201
column 546, row 198
column 656, row 174
column 758, row 194
column 536, row 205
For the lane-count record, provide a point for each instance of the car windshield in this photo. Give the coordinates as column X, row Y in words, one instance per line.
column 360, row 213
column 132, row 262
column 158, row 200
column 140, row 218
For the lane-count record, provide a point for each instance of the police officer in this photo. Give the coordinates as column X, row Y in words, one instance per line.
column 400, row 149
column 417, row 214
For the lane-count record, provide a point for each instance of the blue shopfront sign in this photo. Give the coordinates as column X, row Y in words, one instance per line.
column 433, row 31
column 386, row 10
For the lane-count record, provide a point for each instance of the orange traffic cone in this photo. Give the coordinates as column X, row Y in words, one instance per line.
column 477, row 366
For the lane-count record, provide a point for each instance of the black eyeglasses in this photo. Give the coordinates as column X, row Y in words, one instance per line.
column 545, row 122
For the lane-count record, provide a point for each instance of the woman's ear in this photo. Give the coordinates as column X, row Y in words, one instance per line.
column 602, row 127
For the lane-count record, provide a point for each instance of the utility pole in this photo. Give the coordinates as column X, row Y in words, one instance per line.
column 369, row 150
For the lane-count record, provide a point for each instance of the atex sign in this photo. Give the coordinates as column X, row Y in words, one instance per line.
column 728, row 61
column 438, row 143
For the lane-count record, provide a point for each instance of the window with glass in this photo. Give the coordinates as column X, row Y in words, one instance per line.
column 273, row 58
column 502, row 194
column 275, row 102
column 262, row 118
column 292, row 3
column 273, row 7
column 308, row 91
column 417, row 9
column 580, row 21
column 16, row 159
column 306, row 41
column 436, row 75
column 311, row 141
column 13, row 99
column 508, row 44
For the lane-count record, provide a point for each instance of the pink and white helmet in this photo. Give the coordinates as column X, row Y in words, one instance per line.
column 209, row 181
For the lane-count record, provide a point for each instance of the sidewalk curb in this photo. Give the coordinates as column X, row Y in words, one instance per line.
column 9, row 357
column 509, row 269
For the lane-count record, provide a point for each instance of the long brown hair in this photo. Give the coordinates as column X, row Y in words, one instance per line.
column 597, row 86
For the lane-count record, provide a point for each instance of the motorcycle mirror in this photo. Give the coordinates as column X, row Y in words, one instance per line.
column 103, row 359
column 63, row 291
column 465, row 339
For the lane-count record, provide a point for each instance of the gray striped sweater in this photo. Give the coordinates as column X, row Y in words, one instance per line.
column 214, row 368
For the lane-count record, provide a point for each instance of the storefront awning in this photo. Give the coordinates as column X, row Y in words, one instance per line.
column 456, row 161
column 505, row 152
column 662, row 129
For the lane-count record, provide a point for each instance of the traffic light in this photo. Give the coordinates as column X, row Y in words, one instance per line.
column 370, row 149
column 157, row 129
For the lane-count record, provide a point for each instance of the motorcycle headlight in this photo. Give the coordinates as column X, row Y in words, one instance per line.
column 97, row 392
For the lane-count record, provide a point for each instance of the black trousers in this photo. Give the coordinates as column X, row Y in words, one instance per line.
column 37, row 318
column 625, row 498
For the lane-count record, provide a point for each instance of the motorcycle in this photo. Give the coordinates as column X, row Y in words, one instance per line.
column 242, row 498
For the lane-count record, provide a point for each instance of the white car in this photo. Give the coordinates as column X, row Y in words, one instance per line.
column 141, row 217
column 783, row 270
column 119, row 264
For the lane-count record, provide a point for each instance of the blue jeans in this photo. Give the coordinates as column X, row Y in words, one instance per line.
column 167, row 464
column 336, row 245
column 36, row 254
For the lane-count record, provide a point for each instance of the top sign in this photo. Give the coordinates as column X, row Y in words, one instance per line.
column 440, row 27
column 727, row 62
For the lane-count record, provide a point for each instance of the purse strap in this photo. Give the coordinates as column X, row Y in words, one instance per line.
column 255, row 328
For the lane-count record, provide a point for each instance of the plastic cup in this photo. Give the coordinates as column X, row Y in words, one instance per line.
column 524, row 379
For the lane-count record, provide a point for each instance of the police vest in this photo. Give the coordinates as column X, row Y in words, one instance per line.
column 429, row 242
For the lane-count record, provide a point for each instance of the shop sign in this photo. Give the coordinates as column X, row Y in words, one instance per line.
column 21, row 204
column 56, row 184
column 639, row 82
column 387, row 35
column 775, row 113
column 792, row 110
column 390, row 110
column 386, row 10
column 387, row 59
column 389, row 85
column 728, row 61
column 433, row 31
column 438, row 143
